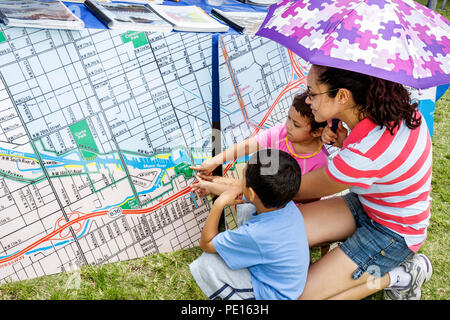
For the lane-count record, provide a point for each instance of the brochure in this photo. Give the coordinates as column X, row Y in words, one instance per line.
column 259, row 2
column 189, row 18
column 244, row 22
column 38, row 14
column 127, row 16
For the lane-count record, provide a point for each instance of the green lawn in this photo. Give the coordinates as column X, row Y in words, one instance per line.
column 436, row 246
column 167, row 276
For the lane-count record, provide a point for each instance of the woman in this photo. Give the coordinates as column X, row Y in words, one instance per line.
column 386, row 163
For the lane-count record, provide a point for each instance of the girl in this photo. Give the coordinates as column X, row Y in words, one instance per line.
column 300, row 136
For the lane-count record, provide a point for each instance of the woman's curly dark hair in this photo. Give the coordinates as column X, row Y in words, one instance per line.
column 384, row 102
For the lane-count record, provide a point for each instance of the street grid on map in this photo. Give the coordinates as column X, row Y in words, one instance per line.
column 112, row 121
column 98, row 128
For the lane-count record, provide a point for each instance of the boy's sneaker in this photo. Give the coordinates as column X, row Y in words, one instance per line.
column 420, row 269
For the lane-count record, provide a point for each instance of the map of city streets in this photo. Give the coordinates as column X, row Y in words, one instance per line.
column 98, row 129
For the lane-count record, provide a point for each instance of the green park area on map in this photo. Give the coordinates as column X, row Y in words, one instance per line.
column 138, row 38
column 130, row 204
column 184, row 169
column 84, row 140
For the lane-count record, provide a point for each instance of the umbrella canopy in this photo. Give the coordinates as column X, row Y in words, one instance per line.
column 397, row 40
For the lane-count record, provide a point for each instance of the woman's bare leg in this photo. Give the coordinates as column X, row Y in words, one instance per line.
column 362, row 291
column 331, row 277
column 327, row 220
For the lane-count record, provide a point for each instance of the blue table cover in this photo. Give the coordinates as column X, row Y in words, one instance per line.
column 91, row 21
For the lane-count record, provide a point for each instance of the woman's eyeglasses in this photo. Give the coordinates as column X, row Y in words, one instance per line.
column 311, row 95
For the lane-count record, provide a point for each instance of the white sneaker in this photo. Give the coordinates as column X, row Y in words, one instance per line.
column 420, row 269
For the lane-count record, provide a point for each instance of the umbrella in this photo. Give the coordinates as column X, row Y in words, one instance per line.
column 397, row 40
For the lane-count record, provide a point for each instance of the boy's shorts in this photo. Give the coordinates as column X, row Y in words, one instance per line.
column 216, row 279
column 373, row 247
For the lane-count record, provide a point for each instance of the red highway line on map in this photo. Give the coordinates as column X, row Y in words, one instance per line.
column 51, row 234
column 289, row 86
column 237, row 89
column 186, row 190
column 93, row 215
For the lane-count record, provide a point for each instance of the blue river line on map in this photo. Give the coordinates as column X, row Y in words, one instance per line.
column 138, row 163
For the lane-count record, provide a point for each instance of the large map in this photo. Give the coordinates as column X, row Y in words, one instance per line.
column 97, row 132
column 98, row 129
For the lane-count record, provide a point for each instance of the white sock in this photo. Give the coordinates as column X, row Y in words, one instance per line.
column 399, row 277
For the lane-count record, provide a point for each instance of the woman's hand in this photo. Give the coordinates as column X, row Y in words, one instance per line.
column 336, row 139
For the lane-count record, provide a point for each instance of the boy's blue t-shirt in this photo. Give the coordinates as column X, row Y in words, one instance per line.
column 274, row 247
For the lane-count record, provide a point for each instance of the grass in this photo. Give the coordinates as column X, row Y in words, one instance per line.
column 436, row 245
column 167, row 276
column 160, row 276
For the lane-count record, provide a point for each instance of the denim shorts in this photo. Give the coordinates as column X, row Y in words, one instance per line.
column 373, row 247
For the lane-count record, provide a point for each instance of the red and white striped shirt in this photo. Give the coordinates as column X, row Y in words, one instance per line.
column 391, row 175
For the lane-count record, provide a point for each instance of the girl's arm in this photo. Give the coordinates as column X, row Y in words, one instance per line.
column 239, row 149
column 234, row 152
column 316, row 184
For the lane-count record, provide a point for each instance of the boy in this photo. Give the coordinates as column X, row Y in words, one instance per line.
column 266, row 257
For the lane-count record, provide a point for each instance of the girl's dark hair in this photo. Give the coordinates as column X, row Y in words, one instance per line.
column 384, row 102
column 274, row 175
column 304, row 109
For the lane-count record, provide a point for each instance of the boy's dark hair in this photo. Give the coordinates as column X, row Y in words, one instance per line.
column 304, row 109
column 274, row 175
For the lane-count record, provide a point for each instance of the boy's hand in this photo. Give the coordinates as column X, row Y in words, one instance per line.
column 206, row 167
column 213, row 184
column 231, row 196
column 201, row 186
column 337, row 139
column 210, row 229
